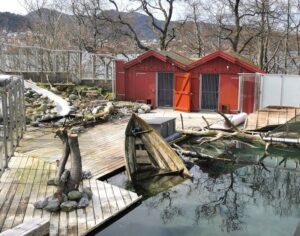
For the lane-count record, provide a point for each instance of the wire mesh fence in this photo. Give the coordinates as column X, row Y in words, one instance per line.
column 82, row 65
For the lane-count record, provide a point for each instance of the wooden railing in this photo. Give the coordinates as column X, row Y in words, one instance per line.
column 12, row 116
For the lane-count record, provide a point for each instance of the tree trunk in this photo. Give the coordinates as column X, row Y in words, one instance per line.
column 76, row 165
column 63, row 135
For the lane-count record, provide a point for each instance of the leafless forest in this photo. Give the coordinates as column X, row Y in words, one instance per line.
column 265, row 31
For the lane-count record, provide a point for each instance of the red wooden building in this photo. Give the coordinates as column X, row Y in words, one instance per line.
column 167, row 79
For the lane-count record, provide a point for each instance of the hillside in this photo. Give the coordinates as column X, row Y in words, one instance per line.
column 17, row 23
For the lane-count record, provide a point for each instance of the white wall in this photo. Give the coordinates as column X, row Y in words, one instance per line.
column 280, row 90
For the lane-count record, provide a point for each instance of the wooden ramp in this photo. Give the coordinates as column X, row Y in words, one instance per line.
column 25, row 182
column 270, row 116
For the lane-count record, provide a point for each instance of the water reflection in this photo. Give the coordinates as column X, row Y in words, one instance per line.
column 224, row 199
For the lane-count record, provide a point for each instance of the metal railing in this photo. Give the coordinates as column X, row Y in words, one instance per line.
column 12, row 116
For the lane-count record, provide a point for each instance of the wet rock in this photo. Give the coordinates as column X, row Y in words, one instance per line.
column 74, row 195
column 83, row 203
column 68, row 206
column 40, row 204
column 88, row 192
column 53, row 205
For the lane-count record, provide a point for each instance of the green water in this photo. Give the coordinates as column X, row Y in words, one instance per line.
column 222, row 199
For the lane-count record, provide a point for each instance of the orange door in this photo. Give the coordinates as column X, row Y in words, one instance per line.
column 182, row 92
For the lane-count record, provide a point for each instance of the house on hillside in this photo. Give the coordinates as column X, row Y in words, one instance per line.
column 167, row 79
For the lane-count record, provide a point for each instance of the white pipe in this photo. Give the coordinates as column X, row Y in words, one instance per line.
column 236, row 120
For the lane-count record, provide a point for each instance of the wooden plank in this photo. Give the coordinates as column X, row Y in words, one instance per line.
column 26, row 194
column 72, row 223
column 42, row 191
column 54, row 217
column 96, row 202
column 103, row 199
column 90, row 216
column 18, row 196
column 34, row 227
column 111, row 198
column 118, row 196
column 81, row 221
column 5, row 201
column 34, row 192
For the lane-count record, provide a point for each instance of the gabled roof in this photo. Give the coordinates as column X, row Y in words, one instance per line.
column 188, row 64
column 174, row 58
column 228, row 56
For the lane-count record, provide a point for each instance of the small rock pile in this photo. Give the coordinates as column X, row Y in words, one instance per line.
column 66, row 202
column 38, row 107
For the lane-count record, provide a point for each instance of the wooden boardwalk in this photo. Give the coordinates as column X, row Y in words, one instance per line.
column 25, row 181
column 102, row 147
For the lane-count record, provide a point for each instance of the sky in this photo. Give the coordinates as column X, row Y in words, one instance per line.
column 13, row 6
column 17, row 7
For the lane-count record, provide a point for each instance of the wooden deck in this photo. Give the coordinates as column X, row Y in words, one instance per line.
column 270, row 116
column 102, row 147
column 25, row 181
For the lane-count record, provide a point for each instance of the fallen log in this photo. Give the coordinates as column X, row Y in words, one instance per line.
column 216, row 135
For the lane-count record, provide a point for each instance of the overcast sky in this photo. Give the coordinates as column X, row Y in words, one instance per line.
column 17, row 6
column 13, row 6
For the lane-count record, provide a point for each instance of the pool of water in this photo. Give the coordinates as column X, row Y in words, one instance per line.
column 222, row 199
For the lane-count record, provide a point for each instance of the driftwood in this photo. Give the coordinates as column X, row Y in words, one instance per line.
column 76, row 165
column 66, row 180
column 217, row 134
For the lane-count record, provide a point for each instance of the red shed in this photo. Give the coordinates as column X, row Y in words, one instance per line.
column 167, row 79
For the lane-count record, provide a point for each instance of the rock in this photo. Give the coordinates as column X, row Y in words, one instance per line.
column 68, row 206
column 86, row 174
column 52, row 205
column 83, row 203
column 72, row 97
column 88, row 192
column 44, row 107
column 74, row 195
column 51, row 182
column 141, row 111
column 64, row 197
column 41, row 204
column 146, row 108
